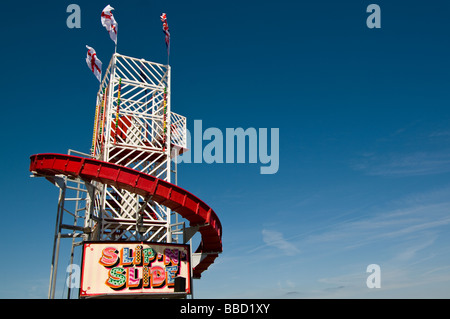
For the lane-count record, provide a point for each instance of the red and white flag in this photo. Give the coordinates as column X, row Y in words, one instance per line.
column 94, row 64
column 166, row 31
column 110, row 23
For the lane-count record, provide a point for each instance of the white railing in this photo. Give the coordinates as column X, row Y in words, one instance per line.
column 178, row 130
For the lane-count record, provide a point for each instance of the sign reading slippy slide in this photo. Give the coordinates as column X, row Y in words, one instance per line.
column 134, row 268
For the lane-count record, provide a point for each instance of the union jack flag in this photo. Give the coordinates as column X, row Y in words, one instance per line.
column 166, row 31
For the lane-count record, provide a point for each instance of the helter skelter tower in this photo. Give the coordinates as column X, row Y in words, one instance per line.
column 131, row 129
column 123, row 190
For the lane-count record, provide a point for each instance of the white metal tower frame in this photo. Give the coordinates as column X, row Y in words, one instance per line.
column 134, row 127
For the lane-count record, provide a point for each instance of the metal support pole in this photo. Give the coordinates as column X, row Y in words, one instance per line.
column 90, row 208
column 192, row 271
column 69, row 288
column 168, row 149
column 61, row 183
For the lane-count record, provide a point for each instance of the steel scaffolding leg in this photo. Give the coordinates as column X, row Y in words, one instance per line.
column 61, row 183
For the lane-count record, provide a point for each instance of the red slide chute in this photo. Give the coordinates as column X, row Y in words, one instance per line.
column 177, row 199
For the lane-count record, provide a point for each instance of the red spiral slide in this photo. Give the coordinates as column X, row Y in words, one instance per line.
column 177, row 199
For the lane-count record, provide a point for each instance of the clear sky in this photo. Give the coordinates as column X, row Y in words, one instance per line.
column 364, row 148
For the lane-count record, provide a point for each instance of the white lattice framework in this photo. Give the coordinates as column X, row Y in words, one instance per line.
column 134, row 127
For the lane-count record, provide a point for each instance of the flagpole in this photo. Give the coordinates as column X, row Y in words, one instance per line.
column 167, row 34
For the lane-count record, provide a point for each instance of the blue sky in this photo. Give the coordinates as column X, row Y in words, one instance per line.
column 364, row 123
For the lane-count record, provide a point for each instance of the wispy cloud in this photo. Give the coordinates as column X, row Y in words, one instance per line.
column 275, row 239
column 440, row 134
column 399, row 165
column 396, row 282
column 407, row 238
column 408, row 222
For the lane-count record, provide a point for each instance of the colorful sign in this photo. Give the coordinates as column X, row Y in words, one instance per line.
column 134, row 268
